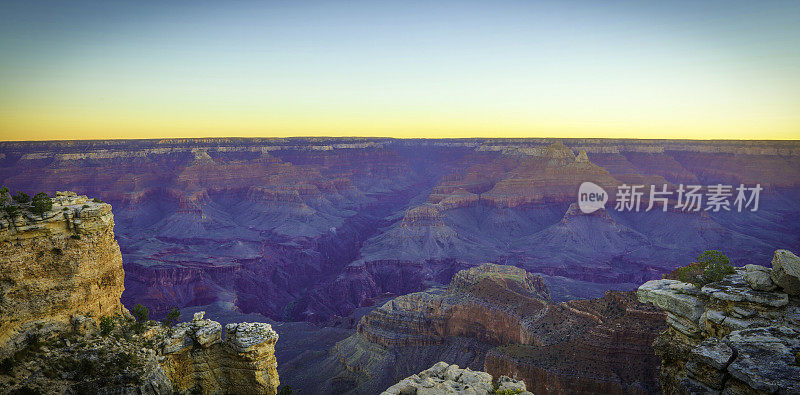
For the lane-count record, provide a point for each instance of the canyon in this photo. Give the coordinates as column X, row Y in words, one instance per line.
column 353, row 249
column 498, row 319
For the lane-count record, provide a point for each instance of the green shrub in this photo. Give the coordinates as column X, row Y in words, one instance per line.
column 11, row 210
column 96, row 200
column 710, row 266
column 142, row 315
column 172, row 317
column 41, row 203
column 107, row 325
column 7, row 365
column 4, row 195
column 21, row 198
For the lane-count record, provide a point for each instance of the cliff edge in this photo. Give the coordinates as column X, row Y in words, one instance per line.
column 740, row 335
column 53, row 266
column 63, row 328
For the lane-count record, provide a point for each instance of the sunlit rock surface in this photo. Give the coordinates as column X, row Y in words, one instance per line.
column 65, row 262
column 197, row 359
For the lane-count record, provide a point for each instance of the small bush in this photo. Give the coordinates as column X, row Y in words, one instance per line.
column 107, row 325
column 710, row 266
column 21, row 198
column 142, row 315
column 76, row 237
column 96, row 200
column 7, row 365
column 41, row 203
column 172, row 317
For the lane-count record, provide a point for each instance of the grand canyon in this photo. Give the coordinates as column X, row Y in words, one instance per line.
column 375, row 258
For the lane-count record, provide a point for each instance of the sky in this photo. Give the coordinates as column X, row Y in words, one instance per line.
column 615, row 69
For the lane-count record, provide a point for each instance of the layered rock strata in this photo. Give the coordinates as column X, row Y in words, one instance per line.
column 738, row 335
column 64, row 329
column 196, row 358
column 504, row 314
column 53, row 266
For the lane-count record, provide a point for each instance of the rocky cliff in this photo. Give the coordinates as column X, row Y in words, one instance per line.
column 196, row 358
column 62, row 263
column 739, row 335
column 64, row 329
column 499, row 319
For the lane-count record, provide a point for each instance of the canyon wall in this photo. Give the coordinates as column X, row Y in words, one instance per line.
column 313, row 229
column 498, row 319
column 738, row 335
column 63, row 328
column 62, row 263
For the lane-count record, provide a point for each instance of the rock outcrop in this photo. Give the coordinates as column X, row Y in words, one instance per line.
column 196, row 358
column 64, row 329
column 499, row 319
column 445, row 379
column 53, row 266
column 738, row 335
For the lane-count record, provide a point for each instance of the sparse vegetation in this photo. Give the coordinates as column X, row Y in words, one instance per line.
column 172, row 317
column 107, row 325
column 21, row 198
column 142, row 315
column 708, row 267
column 12, row 205
column 4, row 196
column 41, row 204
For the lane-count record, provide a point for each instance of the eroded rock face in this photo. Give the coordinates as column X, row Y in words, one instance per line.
column 446, row 379
column 738, row 335
column 197, row 359
column 577, row 346
column 58, row 265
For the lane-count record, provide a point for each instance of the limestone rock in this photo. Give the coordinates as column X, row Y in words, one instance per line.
column 747, row 339
column 442, row 378
column 786, row 271
column 62, row 264
column 766, row 359
column 673, row 296
column 713, row 352
column 758, row 278
column 195, row 357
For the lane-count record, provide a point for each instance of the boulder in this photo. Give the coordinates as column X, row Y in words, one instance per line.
column 786, row 271
column 758, row 278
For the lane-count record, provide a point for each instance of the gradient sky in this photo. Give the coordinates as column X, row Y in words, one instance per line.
column 638, row 69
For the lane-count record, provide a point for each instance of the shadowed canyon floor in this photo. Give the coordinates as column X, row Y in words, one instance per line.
column 314, row 234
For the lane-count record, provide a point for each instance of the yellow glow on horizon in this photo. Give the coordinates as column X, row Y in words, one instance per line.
column 21, row 125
